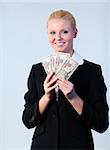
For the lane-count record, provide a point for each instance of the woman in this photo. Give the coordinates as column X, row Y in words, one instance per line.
column 82, row 105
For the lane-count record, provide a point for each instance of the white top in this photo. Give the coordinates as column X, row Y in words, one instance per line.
column 77, row 58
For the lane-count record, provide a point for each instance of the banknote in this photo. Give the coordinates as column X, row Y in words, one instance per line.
column 61, row 64
column 61, row 58
column 46, row 62
column 67, row 69
column 54, row 62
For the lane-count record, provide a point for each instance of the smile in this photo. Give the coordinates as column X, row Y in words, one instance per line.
column 60, row 43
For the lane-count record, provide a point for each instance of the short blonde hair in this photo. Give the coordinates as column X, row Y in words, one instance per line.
column 63, row 14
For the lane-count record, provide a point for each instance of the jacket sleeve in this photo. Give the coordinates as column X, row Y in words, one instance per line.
column 31, row 116
column 95, row 108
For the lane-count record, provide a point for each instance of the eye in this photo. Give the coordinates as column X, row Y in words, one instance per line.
column 52, row 32
column 65, row 31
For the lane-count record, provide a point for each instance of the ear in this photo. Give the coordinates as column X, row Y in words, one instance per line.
column 75, row 32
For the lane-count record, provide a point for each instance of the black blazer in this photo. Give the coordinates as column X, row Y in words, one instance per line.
column 60, row 126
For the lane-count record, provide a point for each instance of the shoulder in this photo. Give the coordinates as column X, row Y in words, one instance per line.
column 91, row 66
column 37, row 67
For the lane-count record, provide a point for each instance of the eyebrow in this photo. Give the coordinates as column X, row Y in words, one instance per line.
column 65, row 29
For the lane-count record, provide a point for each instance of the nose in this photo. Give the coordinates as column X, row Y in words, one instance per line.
column 58, row 37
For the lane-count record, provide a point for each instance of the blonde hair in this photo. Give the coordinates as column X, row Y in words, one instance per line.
column 63, row 14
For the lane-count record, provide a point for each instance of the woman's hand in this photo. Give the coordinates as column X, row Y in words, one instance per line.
column 49, row 85
column 67, row 88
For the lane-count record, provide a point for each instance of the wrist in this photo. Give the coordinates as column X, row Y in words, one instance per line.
column 47, row 97
column 71, row 95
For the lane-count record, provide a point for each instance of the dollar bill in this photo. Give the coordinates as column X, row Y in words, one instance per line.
column 61, row 64
column 67, row 69
column 54, row 62
column 46, row 62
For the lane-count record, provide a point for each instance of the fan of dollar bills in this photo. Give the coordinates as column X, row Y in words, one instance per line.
column 61, row 64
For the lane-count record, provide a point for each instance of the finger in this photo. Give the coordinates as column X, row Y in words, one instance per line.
column 64, row 82
column 62, row 87
column 52, row 82
column 49, row 76
column 53, row 76
column 52, row 87
column 65, row 87
column 61, row 83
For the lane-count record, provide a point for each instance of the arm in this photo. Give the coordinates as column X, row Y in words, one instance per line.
column 95, row 109
column 49, row 85
column 92, row 111
column 31, row 115
column 34, row 107
column 68, row 89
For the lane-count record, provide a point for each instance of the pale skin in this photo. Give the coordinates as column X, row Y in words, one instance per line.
column 60, row 35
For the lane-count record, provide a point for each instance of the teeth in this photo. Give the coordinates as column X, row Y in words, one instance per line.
column 60, row 44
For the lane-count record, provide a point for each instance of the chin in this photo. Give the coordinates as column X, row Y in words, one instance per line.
column 60, row 50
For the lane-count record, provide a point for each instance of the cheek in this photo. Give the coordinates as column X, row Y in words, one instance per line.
column 52, row 39
column 68, row 38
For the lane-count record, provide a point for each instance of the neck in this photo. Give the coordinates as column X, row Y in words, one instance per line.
column 71, row 52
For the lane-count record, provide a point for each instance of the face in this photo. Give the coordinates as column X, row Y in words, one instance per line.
column 61, row 35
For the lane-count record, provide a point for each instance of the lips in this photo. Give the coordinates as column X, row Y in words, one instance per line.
column 59, row 43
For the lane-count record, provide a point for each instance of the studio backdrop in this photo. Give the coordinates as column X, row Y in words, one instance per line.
column 24, row 42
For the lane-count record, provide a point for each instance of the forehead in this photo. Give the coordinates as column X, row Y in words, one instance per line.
column 59, row 23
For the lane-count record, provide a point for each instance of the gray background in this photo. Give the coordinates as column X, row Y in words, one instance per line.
column 24, row 42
